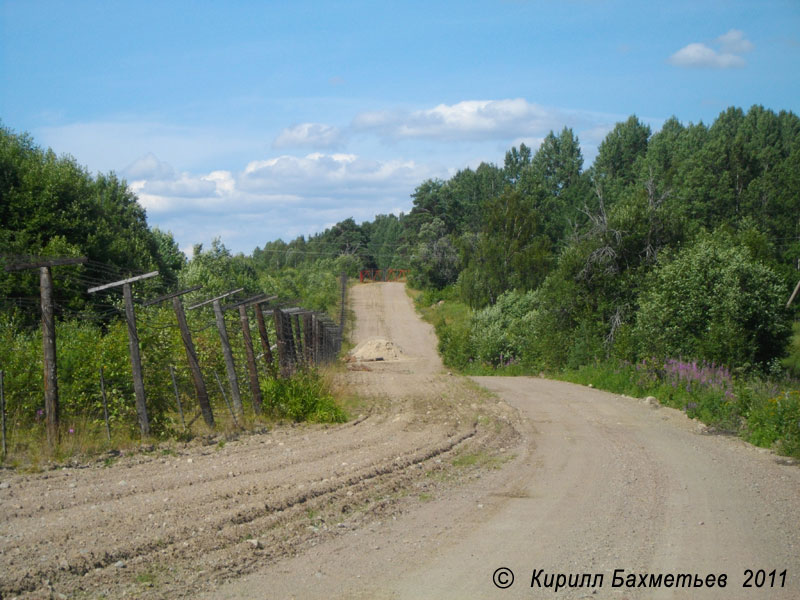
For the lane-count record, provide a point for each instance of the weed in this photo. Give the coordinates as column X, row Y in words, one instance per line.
column 480, row 458
column 147, row 578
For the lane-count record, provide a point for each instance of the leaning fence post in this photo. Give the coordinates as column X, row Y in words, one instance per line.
column 298, row 339
column 255, row 387
column 262, row 330
column 105, row 403
column 133, row 345
column 280, row 336
column 226, row 346
column 191, row 354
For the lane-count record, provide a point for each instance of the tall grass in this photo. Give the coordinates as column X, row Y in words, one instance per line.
column 762, row 410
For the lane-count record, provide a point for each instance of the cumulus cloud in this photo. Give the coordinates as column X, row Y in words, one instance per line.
column 316, row 182
column 468, row 120
column 162, row 189
column 149, row 167
column 313, row 135
column 347, row 174
column 728, row 55
column 281, row 196
column 734, row 42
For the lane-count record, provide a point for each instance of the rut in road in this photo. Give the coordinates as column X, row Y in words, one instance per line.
column 186, row 518
column 598, row 482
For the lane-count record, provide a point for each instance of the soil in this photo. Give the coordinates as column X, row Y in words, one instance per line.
column 425, row 494
column 180, row 521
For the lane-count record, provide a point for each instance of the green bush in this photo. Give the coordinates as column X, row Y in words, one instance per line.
column 775, row 421
column 499, row 332
column 792, row 360
column 303, row 397
column 714, row 302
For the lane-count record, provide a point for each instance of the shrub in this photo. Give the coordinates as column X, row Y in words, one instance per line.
column 303, row 397
column 714, row 302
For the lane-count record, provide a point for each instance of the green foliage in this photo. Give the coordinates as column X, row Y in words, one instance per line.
column 713, row 301
column 792, row 360
column 52, row 206
column 499, row 333
column 511, row 251
column 303, row 397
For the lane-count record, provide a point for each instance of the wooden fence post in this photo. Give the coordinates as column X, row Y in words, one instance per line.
column 262, row 331
column 136, row 361
column 48, row 337
column 255, row 386
column 298, row 339
column 191, row 354
column 49, row 352
column 226, row 346
column 194, row 364
column 230, row 367
column 280, row 334
column 308, row 338
column 133, row 345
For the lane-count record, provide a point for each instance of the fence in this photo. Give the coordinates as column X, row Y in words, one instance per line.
column 382, row 275
column 304, row 338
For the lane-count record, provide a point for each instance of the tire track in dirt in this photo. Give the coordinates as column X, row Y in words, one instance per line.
column 170, row 525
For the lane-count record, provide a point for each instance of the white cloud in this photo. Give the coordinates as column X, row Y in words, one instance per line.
column 734, row 42
column 198, row 184
column 149, row 167
column 467, row 120
column 337, row 173
column 314, row 135
column 283, row 196
column 731, row 46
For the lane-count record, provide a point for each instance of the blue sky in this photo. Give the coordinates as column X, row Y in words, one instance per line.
column 254, row 121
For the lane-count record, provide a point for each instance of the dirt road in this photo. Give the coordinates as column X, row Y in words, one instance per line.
column 425, row 495
column 597, row 483
column 181, row 520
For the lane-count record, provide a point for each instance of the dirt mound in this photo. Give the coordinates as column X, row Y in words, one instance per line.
column 376, row 349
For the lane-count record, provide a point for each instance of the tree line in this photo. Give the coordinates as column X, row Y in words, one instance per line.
column 683, row 242
column 52, row 209
column 680, row 243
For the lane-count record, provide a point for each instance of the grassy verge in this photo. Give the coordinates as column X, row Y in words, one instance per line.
column 308, row 396
column 761, row 410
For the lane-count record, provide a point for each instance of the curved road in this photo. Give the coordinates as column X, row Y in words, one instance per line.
column 597, row 483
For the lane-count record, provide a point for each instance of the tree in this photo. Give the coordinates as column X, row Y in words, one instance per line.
column 510, row 251
column 619, row 152
column 516, row 162
column 714, row 302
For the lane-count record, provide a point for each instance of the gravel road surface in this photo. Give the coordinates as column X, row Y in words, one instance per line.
column 435, row 486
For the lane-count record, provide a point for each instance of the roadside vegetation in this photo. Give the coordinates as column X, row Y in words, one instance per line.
column 52, row 207
column 761, row 406
column 663, row 268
